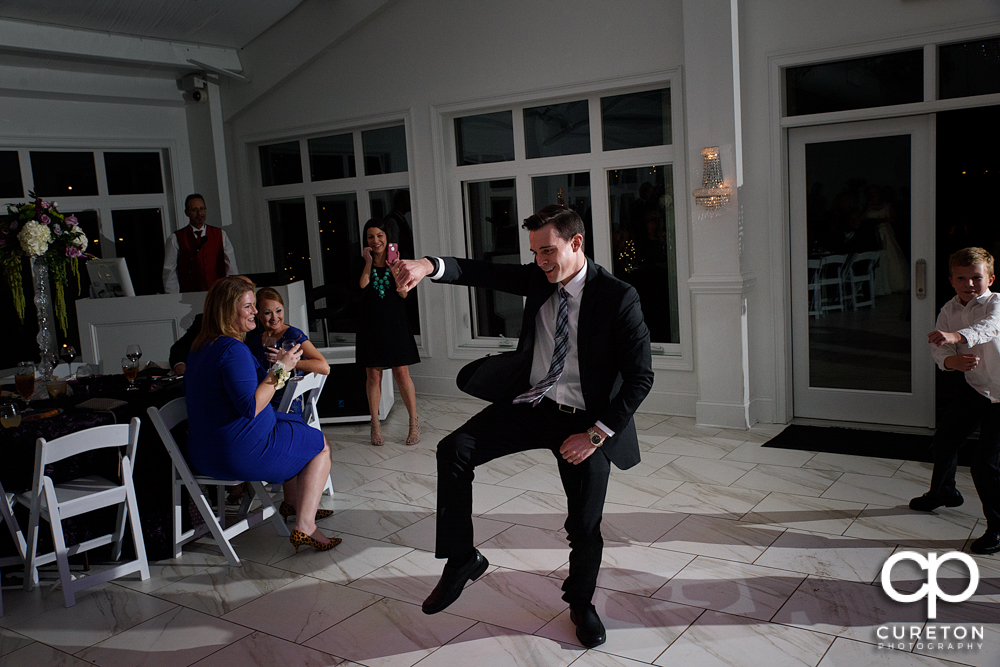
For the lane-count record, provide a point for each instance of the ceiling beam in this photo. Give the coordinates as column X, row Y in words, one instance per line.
column 44, row 40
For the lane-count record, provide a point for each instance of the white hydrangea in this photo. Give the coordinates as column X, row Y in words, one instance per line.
column 35, row 238
column 81, row 240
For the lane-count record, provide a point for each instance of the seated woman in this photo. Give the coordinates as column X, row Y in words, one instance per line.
column 274, row 333
column 234, row 433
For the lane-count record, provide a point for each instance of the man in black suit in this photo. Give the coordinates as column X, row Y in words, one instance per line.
column 581, row 369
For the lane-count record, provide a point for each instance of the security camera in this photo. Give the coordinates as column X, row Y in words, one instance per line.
column 199, row 95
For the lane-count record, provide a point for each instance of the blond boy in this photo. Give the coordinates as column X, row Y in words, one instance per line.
column 967, row 339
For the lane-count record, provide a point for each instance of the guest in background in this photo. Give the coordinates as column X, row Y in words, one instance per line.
column 197, row 255
column 234, row 433
column 275, row 335
column 966, row 339
column 384, row 339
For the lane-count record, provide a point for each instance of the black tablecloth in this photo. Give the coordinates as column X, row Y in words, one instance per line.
column 151, row 468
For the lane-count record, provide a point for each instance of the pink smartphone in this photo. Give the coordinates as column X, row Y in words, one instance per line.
column 393, row 253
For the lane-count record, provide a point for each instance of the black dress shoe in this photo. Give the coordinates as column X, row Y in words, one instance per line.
column 989, row 543
column 589, row 629
column 452, row 581
column 930, row 502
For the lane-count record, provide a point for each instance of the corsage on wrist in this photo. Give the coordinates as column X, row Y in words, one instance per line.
column 280, row 374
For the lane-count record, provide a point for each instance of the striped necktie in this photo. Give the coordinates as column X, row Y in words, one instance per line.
column 534, row 395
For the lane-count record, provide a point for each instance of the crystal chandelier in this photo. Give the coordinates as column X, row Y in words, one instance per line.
column 712, row 193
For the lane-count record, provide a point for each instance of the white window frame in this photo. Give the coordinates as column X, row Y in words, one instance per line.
column 308, row 190
column 103, row 203
column 597, row 162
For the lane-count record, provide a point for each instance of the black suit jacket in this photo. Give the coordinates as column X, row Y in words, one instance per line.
column 615, row 364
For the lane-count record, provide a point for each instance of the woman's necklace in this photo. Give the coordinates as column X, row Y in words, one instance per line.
column 381, row 282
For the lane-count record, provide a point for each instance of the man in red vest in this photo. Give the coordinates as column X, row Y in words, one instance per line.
column 197, row 255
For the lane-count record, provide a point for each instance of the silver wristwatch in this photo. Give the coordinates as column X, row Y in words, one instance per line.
column 595, row 438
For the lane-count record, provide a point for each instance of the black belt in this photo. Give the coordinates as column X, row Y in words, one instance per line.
column 568, row 409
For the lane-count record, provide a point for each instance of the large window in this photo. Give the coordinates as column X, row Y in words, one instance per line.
column 611, row 158
column 317, row 202
column 120, row 198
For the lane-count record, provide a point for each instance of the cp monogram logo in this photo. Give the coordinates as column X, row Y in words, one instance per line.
column 930, row 590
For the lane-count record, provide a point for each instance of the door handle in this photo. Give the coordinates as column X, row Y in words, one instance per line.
column 921, row 278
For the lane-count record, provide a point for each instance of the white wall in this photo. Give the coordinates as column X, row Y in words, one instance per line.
column 778, row 29
column 413, row 56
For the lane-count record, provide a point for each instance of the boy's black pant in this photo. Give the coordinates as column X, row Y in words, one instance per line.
column 967, row 410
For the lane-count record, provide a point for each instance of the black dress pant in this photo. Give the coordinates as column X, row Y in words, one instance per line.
column 503, row 429
column 967, row 410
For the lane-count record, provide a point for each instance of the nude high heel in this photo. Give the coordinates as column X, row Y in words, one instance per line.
column 377, row 434
column 413, row 437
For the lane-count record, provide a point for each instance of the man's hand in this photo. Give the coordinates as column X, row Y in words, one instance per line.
column 940, row 338
column 961, row 362
column 409, row 272
column 576, row 448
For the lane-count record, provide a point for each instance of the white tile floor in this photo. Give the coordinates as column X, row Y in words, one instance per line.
column 718, row 552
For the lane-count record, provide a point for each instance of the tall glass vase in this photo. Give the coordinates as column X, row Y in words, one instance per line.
column 46, row 339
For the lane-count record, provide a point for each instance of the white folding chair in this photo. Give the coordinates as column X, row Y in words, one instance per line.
column 166, row 419
column 16, row 536
column 831, row 275
column 309, row 388
column 56, row 502
column 860, row 272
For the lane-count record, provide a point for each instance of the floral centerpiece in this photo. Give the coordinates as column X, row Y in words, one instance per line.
column 37, row 230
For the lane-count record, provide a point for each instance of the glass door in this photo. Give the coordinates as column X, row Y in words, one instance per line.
column 861, row 209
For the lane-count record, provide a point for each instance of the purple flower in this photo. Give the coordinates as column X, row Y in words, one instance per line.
column 56, row 229
column 71, row 220
column 73, row 251
column 45, row 204
column 13, row 226
column 44, row 219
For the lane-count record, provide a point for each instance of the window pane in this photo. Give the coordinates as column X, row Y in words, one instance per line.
column 492, row 227
column 58, row 174
column 572, row 190
column 643, row 243
column 339, row 236
column 385, row 150
column 969, row 68
column 487, row 137
column 10, row 175
column 636, row 120
column 290, row 240
column 557, row 129
column 332, row 157
column 139, row 239
column 280, row 164
column 860, row 83
column 394, row 207
column 133, row 173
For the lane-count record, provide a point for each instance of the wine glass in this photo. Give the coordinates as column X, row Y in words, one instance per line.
column 68, row 353
column 24, row 380
column 9, row 417
column 134, row 352
column 130, row 368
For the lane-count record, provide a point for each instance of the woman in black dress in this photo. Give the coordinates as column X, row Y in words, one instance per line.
column 384, row 338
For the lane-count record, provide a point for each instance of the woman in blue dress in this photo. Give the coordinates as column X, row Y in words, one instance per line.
column 234, row 432
column 276, row 335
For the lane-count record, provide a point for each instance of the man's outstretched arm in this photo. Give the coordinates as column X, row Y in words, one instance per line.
column 409, row 272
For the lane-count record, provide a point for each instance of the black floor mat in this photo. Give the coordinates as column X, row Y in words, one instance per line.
column 859, row 442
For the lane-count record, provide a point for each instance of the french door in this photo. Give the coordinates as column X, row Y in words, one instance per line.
column 861, row 199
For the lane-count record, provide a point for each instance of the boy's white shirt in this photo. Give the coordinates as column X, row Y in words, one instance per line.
column 979, row 322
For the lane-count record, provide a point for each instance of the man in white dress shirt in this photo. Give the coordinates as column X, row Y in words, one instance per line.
column 197, row 255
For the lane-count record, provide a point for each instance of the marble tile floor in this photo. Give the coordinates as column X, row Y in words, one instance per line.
column 717, row 552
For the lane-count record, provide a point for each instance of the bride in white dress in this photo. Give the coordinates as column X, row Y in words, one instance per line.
column 893, row 271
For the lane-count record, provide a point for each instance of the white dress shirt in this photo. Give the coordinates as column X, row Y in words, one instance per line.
column 979, row 322
column 567, row 389
column 170, row 283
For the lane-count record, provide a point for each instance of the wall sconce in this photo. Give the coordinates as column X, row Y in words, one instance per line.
column 712, row 194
